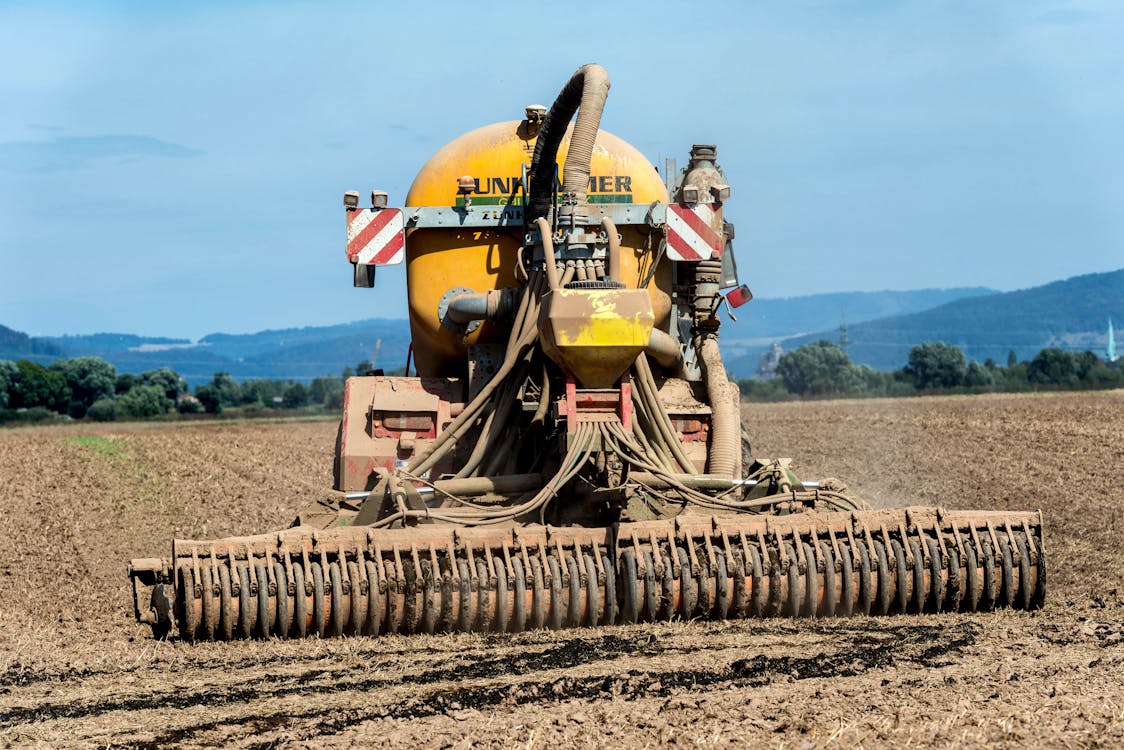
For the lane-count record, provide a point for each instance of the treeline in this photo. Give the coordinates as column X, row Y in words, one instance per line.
column 823, row 369
column 224, row 394
column 90, row 388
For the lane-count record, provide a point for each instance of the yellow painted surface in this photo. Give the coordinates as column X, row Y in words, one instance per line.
column 440, row 259
column 595, row 334
column 604, row 324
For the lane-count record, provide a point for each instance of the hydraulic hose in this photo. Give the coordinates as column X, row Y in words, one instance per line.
column 549, row 260
column 664, row 431
column 523, row 334
column 588, row 87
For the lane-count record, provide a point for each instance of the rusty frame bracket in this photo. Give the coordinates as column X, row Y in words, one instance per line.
column 145, row 574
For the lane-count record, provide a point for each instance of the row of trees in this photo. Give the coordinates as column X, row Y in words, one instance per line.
column 89, row 387
column 85, row 386
column 823, row 368
column 224, row 392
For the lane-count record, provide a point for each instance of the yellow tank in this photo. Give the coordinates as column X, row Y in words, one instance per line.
column 438, row 260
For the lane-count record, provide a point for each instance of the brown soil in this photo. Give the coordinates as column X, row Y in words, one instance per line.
column 75, row 669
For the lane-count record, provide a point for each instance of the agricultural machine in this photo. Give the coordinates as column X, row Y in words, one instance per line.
column 570, row 451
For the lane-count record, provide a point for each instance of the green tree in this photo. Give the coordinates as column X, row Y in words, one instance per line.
column 263, row 392
column 35, row 385
column 230, row 393
column 125, row 382
column 1085, row 363
column 347, row 373
column 1053, row 366
column 296, row 396
column 256, row 392
column 189, row 405
column 1012, row 358
column 210, row 397
column 817, row 369
column 1015, row 375
column 144, row 401
column 762, row 390
column 103, row 410
column 936, row 365
column 363, row 367
column 322, row 389
column 166, row 379
column 1106, row 374
column 88, row 378
column 8, row 374
column 978, row 375
column 870, row 380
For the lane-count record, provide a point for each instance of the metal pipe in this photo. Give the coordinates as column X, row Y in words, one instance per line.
column 467, row 487
column 663, row 348
column 703, row 481
column 465, row 308
column 515, row 483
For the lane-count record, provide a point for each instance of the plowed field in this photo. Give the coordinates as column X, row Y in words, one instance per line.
column 76, row 670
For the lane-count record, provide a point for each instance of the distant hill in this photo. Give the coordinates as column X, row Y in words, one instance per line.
column 764, row 320
column 1070, row 314
column 291, row 353
column 99, row 343
column 17, row 345
column 317, row 345
column 882, row 326
column 305, row 353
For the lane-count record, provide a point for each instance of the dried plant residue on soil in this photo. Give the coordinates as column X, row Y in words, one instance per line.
column 75, row 669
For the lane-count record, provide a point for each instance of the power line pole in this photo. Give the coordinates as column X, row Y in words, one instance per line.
column 844, row 342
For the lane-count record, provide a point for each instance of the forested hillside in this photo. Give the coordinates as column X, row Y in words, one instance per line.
column 14, row 344
column 287, row 354
column 1071, row 314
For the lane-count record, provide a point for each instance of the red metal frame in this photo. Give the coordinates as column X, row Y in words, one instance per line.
column 594, row 404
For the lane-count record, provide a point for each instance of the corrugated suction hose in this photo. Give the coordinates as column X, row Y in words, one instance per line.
column 725, row 425
column 589, row 88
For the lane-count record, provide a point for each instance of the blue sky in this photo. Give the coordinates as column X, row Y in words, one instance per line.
column 176, row 169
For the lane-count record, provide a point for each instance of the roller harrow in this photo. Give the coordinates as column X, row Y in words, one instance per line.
column 358, row 581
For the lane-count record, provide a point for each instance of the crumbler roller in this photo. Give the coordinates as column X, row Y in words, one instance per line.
column 569, row 452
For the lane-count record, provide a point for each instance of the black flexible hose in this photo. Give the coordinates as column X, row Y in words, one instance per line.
column 588, row 87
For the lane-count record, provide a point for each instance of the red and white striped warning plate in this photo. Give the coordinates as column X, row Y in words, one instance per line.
column 376, row 237
column 691, row 233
